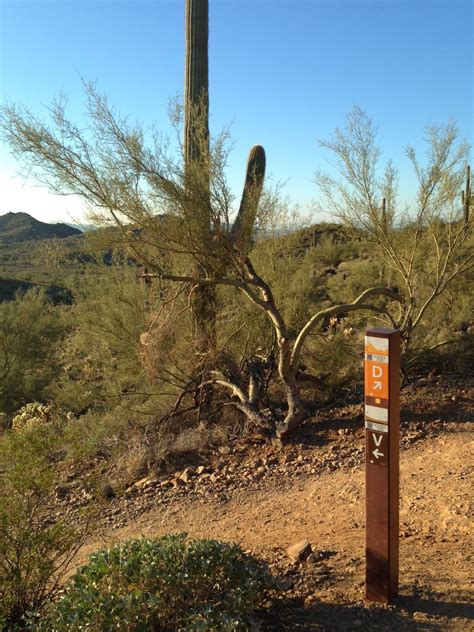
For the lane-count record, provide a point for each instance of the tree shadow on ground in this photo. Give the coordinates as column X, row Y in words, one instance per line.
column 407, row 613
column 436, row 607
column 424, row 417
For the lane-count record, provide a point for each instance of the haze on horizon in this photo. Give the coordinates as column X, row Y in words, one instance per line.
column 284, row 73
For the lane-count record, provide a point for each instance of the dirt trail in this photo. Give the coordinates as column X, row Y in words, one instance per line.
column 327, row 591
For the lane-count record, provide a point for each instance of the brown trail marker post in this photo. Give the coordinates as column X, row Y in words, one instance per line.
column 382, row 439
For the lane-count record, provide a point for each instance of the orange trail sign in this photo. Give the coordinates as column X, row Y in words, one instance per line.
column 382, row 438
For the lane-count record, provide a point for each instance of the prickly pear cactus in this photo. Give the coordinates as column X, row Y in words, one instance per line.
column 33, row 414
column 37, row 414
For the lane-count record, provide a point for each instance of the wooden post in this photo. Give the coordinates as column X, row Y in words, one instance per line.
column 382, row 439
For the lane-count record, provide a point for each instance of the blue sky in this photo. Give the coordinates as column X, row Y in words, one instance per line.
column 283, row 72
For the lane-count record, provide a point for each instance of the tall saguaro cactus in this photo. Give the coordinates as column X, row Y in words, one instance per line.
column 197, row 171
column 196, row 155
column 196, row 90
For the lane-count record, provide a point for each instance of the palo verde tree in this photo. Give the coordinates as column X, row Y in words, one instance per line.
column 112, row 168
column 424, row 248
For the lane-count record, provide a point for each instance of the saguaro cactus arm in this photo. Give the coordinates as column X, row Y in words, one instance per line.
column 196, row 134
column 244, row 223
column 466, row 196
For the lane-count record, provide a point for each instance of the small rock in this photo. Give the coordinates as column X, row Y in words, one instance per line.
column 140, row 482
column 62, row 491
column 300, row 550
column 269, row 460
column 286, row 585
column 178, row 482
column 185, row 476
column 420, row 616
column 108, row 492
column 145, row 482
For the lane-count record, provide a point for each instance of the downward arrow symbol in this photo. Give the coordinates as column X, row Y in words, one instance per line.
column 377, row 453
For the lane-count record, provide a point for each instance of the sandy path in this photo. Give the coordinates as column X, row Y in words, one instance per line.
column 436, row 544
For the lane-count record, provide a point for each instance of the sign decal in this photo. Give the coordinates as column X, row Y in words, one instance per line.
column 377, row 427
column 377, row 414
column 376, row 368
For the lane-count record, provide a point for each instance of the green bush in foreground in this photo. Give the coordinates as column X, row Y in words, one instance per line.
column 34, row 554
column 172, row 583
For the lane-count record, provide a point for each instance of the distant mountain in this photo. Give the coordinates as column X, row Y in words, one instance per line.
column 83, row 227
column 21, row 227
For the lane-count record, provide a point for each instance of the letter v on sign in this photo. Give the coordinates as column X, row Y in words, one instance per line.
column 377, row 440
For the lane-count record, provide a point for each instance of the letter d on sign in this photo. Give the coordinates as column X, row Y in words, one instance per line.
column 376, row 371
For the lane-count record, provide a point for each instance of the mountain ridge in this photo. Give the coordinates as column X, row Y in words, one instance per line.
column 21, row 226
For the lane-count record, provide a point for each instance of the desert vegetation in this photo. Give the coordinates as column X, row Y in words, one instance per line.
column 194, row 320
column 408, row 262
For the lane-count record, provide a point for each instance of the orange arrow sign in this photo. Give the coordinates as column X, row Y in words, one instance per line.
column 376, row 368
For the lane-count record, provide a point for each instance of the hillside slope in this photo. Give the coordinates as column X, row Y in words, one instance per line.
column 21, row 227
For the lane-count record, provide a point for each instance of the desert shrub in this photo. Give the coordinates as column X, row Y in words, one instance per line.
column 91, row 433
column 424, row 250
column 334, row 245
column 100, row 358
column 143, row 441
column 166, row 584
column 115, row 436
column 30, row 329
column 34, row 553
column 337, row 359
column 352, row 278
column 445, row 337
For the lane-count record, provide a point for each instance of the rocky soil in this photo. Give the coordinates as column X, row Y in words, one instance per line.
column 310, row 493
